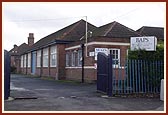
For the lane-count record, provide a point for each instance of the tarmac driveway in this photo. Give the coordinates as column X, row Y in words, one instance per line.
column 36, row 94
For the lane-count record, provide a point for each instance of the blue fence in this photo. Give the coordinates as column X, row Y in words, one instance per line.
column 138, row 76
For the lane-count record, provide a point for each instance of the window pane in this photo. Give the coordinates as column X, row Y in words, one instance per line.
column 25, row 61
column 45, row 57
column 73, row 59
column 53, row 56
column 115, row 55
column 29, row 59
column 39, row 58
column 67, row 58
column 79, row 57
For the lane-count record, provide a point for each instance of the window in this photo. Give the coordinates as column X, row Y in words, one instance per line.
column 53, row 56
column 45, row 57
column 25, row 60
column 73, row 59
column 116, row 56
column 21, row 61
column 39, row 58
column 79, row 59
column 67, row 59
column 29, row 60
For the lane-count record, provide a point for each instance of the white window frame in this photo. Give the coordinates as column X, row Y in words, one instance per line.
column 73, row 60
column 21, row 61
column 67, row 59
column 53, row 56
column 45, row 57
column 38, row 58
column 115, row 56
column 79, row 58
column 25, row 60
column 29, row 60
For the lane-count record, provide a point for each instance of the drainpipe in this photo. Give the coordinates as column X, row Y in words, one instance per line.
column 26, row 63
column 41, row 64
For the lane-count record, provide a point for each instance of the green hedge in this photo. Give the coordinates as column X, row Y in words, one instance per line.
column 147, row 55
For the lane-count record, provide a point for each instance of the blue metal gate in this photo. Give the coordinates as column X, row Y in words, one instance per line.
column 129, row 77
column 137, row 76
column 104, row 73
column 6, row 74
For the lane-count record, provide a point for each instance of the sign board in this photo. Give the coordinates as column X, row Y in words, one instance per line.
column 147, row 43
column 103, row 50
column 91, row 53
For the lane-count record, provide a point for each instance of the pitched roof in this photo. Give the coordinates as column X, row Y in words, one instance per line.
column 20, row 49
column 152, row 31
column 72, row 32
column 115, row 30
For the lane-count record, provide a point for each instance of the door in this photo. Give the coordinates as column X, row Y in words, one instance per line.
column 33, row 63
column 102, row 72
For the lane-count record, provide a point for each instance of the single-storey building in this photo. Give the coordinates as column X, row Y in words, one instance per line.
column 60, row 54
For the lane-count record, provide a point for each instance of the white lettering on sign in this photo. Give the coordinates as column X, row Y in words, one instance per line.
column 147, row 43
column 103, row 50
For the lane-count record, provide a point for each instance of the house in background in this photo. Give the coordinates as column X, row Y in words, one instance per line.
column 17, row 51
column 59, row 55
column 158, row 32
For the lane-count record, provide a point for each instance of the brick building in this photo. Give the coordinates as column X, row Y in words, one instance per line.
column 59, row 55
column 47, row 56
column 18, row 50
column 158, row 32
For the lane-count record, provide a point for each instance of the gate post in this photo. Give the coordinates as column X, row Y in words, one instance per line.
column 6, row 74
column 110, row 76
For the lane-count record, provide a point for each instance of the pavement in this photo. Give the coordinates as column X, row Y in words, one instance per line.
column 36, row 94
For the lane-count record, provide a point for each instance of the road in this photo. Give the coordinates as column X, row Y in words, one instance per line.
column 36, row 94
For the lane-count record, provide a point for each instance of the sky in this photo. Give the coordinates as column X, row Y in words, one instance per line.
column 43, row 18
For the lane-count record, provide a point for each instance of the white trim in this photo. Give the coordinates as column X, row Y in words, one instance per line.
column 73, row 47
column 109, row 43
column 93, row 67
column 86, row 67
column 100, row 43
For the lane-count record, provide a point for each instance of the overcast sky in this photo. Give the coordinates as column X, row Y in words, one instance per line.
column 42, row 19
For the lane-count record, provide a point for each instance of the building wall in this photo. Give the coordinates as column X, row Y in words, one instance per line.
column 15, row 62
column 61, row 61
column 54, row 72
column 28, row 70
column 38, row 70
column 12, row 60
column 75, row 73
column 90, row 73
column 45, row 71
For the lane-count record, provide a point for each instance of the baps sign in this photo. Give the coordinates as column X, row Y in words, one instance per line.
column 103, row 50
column 147, row 43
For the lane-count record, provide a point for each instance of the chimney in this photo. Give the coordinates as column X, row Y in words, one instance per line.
column 15, row 46
column 31, row 39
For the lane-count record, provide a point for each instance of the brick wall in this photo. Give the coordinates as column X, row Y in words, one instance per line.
column 61, row 61
column 90, row 74
column 38, row 71
column 28, row 70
